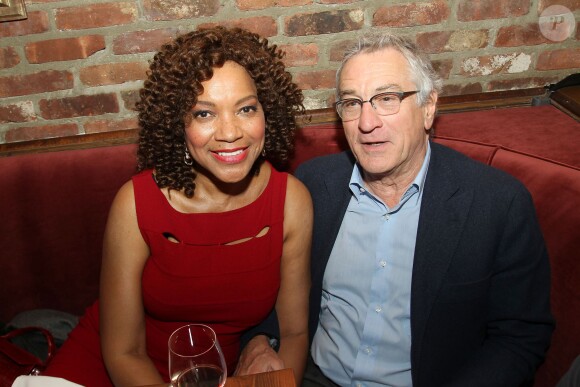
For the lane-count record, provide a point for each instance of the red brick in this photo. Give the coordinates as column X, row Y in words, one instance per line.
column 300, row 54
column 460, row 89
column 442, row 41
column 314, row 80
column 246, row 5
column 412, row 14
column 330, row 100
column 36, row 23
column 130, row 98
column 520, row 83
column 329, row 22
column 566, row 58
column 41, row 82
column 469, row 10
column 443, row 67
column 572, row 5
column 83, row 105
column 142, row 41
column 496, row 64
column 95, row 16
column 8, row 57
column 262, row 25
column 113, row 73
column 467, row 40
column 179, row 9
column 17, row 112
column 518, row 35
column 40, row 132
column 432, row 42
column 97, row 126
column 337, row 50
column 55, row 50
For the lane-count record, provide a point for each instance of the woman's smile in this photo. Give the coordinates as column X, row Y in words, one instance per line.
column 231, row 156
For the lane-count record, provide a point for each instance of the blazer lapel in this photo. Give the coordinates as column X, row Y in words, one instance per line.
column 336, row 202
column 443, row 213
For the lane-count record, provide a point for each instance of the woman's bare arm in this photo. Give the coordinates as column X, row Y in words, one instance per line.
column 292, row 302
column 122, row 316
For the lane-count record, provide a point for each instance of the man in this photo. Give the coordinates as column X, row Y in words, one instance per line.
column 428, row 268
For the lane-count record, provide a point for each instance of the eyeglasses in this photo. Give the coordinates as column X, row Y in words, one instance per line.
column 384, row 104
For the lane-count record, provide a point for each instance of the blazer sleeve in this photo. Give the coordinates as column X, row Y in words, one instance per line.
column 268, row 327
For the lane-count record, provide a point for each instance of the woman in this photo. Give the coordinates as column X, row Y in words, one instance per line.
column 207, row 231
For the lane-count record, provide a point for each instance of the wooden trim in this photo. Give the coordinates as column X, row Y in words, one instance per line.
column 567, row 100
column 86, row 141
column 318, row 116
column 492, row 100
column 446, row 105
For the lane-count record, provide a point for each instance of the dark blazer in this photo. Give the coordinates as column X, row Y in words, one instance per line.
column 480, row 313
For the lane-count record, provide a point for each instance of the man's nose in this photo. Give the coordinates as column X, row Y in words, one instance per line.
column 369, row 119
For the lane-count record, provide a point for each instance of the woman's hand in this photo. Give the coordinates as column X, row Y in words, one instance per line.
column 258, row 356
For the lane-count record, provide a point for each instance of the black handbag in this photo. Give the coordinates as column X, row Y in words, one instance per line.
column 16, row 361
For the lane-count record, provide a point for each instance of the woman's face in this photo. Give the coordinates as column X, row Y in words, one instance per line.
column 226, row 133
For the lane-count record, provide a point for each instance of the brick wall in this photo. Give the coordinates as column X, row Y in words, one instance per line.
column 74, row 66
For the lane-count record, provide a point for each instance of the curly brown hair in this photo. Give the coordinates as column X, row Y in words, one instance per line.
column 174, row 83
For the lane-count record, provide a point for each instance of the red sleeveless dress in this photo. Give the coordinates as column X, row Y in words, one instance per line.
column 193, row 275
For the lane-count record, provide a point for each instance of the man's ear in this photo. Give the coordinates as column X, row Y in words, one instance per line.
column 429, row 109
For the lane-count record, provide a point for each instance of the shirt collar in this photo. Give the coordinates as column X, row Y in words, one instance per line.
column 357, row 187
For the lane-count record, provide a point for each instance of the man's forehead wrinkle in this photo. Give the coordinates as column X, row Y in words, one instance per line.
column 379, row 89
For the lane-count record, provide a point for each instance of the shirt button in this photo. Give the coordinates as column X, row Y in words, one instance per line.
column 386, row 216
column 358, row 385
column 378, row 309
column 361, row 190
column 383, row 263
column 368, row 350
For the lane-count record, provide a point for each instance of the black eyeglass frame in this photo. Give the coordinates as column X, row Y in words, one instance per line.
column 400, row 94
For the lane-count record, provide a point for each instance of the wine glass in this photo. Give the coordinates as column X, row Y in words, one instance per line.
column 196, row 358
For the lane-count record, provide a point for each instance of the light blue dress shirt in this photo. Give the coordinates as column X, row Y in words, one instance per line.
column 364, row 332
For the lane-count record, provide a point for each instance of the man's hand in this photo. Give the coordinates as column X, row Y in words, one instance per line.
column 257, row 357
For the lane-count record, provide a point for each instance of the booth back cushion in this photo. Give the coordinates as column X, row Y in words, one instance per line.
column 54, row 207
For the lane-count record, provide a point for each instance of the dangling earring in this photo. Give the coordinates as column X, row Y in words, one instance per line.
column 187, row 157
column 264, row 152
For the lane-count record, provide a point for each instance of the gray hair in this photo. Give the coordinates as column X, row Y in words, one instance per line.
column 423, row 75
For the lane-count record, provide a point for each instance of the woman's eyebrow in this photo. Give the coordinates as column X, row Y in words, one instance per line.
column 205, row 103
column 249, row 97
column 238, row 102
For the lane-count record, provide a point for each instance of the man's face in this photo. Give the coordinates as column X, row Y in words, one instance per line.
column 390, row 146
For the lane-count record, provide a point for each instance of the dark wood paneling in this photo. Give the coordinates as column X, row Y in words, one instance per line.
column 567, row 99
